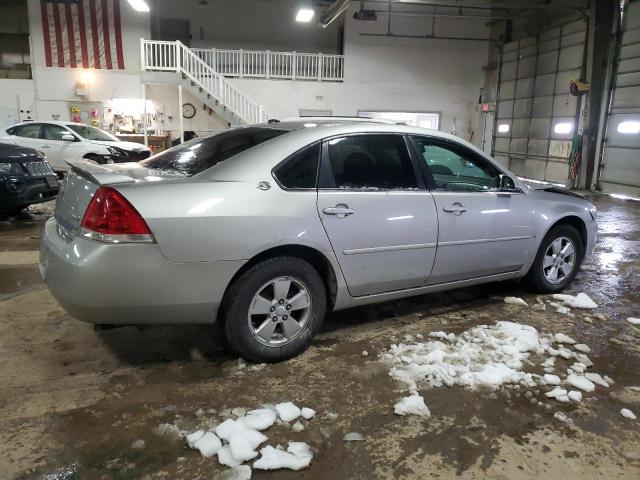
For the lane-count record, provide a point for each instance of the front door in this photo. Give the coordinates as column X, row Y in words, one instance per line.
column 482, row 231
column 381, row 221
column 58, row 151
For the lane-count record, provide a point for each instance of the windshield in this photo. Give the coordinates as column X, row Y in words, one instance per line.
column 199, row 154
column 92, row 133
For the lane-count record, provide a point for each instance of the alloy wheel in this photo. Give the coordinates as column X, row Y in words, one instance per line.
column 559, row 260
column 279, row 311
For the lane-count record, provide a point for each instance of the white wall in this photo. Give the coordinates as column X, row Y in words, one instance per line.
column 165, row 100
column 250, row 24
column 394, row 73
column 54, row 87
column 381, row 72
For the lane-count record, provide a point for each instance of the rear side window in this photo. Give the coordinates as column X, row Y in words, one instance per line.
column 300, row 169
column 27, row 131
column 199, row 154
column 379, row 162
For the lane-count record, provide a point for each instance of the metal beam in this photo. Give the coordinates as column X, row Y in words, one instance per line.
column 333, row 12
column 492, row 5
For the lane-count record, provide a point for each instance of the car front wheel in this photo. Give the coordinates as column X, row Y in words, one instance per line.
column 557, row 260
column 274, row 309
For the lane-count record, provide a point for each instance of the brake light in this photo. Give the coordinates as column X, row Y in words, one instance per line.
column 110, row 218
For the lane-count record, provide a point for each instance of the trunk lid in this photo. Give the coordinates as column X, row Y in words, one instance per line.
column 85, row 177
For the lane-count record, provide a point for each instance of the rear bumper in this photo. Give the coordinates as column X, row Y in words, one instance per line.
column 130, row 283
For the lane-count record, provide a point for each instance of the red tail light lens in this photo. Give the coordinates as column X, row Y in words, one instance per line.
column 111, row 218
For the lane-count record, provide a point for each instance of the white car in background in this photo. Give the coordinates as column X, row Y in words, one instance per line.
column 62, row 141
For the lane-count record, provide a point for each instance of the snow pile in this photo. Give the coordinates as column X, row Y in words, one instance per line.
column 515, row 301
column 626, row 413
column 490, row 357
column 236, row 441
column 297, row 457
column 582, row 300
column 413, row 405
column 484, row 356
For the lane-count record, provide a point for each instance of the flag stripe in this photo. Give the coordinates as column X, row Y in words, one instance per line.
column 45, row 32
column 70, row 35
column 105, row 34
column 56, row 22
column 118, row 33
column 94, row 33
column 83, row 35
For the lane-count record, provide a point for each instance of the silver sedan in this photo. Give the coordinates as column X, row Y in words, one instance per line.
column 266, row 227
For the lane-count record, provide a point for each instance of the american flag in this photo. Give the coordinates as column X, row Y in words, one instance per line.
column 82, row 33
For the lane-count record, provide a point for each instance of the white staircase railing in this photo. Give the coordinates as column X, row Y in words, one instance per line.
column 176, row 57
column 268, row 64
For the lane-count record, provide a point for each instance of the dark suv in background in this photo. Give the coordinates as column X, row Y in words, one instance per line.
column 25, row 178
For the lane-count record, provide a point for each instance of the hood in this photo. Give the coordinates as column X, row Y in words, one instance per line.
column 128, row 146
column 16, row 153
column 549, row 187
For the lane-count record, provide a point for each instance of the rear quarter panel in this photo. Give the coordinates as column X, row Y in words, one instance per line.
column 205, row 221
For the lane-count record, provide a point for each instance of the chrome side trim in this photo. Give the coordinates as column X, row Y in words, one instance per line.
column 482, row 240
column 117, row 238
column 391, row 248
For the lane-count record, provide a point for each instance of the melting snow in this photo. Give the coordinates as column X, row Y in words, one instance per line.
column 582, row 300
column 297, row 457
column 353, row 437
column 633, row 321
column 287, row 411
column 626, row 413
column 413, row 405
column 515, row 301
column 307, row 413
column 562, row 338
column 581, row 382
column 241, row 472
column 208, row 444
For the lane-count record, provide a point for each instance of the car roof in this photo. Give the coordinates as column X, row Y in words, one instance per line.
column 51, row 122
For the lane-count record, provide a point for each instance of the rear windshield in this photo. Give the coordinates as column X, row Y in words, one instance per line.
column 199, row 154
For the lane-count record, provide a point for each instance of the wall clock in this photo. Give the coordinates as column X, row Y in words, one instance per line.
column 188, row 110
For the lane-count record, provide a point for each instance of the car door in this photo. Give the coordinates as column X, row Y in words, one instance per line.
column 57, row 150
column 26, row 135
column 379, row 217
column 483, row 231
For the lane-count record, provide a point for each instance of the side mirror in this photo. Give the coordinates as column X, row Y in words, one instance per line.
column 507, row 184
column 67, row 137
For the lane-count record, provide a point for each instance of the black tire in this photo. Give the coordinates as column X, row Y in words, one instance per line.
column 238, row 299
column 536, row 278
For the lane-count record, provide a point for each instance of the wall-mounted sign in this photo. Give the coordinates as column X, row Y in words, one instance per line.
column 488, row 107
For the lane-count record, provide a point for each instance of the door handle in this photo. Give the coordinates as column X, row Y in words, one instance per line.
column 45, row 146
column 456, row 208
column 341, row 210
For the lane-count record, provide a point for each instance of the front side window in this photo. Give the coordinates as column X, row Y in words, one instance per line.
column 200, row 154
column 299, row 170
column 31, row 130
column 455, row 169
column 376, row 162
column 53, row 132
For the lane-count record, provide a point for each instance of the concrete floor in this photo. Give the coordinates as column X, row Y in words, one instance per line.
column 72, row 401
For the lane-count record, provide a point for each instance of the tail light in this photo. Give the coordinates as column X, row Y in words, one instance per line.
column 110, row 218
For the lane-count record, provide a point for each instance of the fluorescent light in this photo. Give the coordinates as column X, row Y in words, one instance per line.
column 305, row 15
column 563, row 128
column 139, row 5
column 503, row 128
column 629, row 126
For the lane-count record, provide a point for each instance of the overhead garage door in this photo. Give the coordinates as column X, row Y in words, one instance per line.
column 620, row 168
column 537, row 117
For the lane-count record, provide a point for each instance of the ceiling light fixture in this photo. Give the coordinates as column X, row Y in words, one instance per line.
column 305, row 15
column 139, row 5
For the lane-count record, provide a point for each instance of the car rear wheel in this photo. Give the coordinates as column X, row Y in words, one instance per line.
column 557, row 260
column 274, row 309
